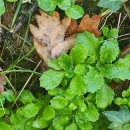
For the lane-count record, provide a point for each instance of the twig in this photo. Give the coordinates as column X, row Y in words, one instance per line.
column 126, row 9
column 26, row 83
column 6, row 78
column 124, row 35
column 106, row 20
column 105, row 13
column 123, row 19
column 3, row 26
column 119, row 20
column 123, row 39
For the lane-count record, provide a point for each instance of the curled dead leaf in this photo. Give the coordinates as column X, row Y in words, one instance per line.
column 54, row 36
column 49, row 36
column 86, row 24
column 72, row 28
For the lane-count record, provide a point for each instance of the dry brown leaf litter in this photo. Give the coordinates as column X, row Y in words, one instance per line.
column 49, row 37
column 86, row 24
column 53, row 36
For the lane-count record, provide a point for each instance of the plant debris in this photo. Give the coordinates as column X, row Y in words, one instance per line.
column 49, row 38
column 54, row 37
column 2, row 79
column 86, row 24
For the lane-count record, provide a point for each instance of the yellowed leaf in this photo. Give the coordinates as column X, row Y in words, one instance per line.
column 72, row 28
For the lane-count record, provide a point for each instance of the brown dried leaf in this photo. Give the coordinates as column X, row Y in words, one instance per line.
column 90, row 24
column 86, row 24
column 79, row 1
column 49, row 37
column 72, row 28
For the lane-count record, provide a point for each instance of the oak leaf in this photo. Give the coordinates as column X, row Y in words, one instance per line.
column 86, row 24
column 49, row 36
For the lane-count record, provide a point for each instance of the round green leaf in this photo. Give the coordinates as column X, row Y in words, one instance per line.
column 105, row 31
column 68, row 94
column 47, row 5
column 113, row 5
column 113, row 33
column 2, row 112
column 65, row 4
column 78, row 53
column 94, row 80
column 49, row 113
column 14, row 118
column 43, row 123
column 78, row 86
column 4, row 126
column 91, row 42
column 109, row 51
column 58, row 102
column 82, row 105
column 2, row 7
column 60, row 121
column 87, row 125
column 54, row 64
column 65, row 61
column 71, row 127
column 26, row 97
column 9, row 95
column 126, row 127
column 75, row 12
column 123, row 65
column 29, row 110
column 109, row 71
column 51, row 79
column 80, row 69
column 104, row 97
column 91, row 113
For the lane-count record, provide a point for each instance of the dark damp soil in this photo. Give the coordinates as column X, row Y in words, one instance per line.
column 16, row 44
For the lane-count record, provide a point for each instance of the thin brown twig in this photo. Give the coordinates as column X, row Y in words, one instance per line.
column 106, row 20
column 119, row 20
column 26, row 83
column 126, row 9
column 123, row 20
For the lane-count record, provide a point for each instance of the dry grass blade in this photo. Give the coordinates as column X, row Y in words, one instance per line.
column 2, row 79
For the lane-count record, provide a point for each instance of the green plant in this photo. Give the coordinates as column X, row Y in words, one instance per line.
column 79, row 82
column 110, row 33
column 77, row 90
column 22, row 117
column 113, row 5
column 120, row 119
column 125, row 99
column 2, row 7
column 71, row 10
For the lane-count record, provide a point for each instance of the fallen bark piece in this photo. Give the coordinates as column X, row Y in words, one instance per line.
column 86, row 24
column 49, row 36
